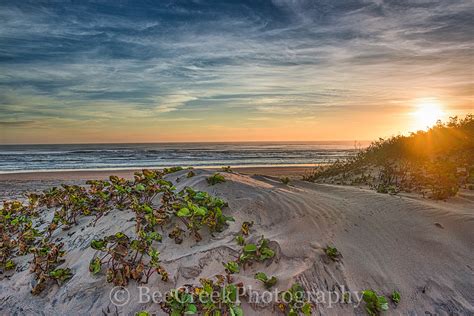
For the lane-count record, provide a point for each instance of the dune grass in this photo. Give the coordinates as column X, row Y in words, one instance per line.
column 436, row 162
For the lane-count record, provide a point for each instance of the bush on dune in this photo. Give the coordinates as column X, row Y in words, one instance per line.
column 436, row 162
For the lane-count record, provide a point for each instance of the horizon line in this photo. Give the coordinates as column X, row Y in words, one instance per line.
column 190, row 142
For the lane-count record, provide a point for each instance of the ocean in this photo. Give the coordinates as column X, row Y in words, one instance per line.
column 24, row 158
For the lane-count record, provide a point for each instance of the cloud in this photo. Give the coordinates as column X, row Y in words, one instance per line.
column 16, row 123
column 259, row 118
column 170, row 103
column 105, row 62
column 179, row 119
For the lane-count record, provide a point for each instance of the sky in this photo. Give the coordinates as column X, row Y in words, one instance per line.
column 185, row 71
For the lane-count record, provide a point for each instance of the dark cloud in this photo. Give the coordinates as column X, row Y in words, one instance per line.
column 16, row 123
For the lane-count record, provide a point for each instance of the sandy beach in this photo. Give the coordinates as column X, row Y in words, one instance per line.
column 419, row 247
column 275, row 171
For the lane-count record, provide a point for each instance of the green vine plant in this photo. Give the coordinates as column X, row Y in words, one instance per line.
column 196, row 209
column 396, row 297
column 255, row 252
column 46, row 259
column 374, row 303
column 128, row 259
column 293, row 302
column 227, row 169
column 70, row 202
column 244, row 231
column 212, row 297
column 240, row 240
column 215, row 179
column 231, row 267
column 332, row 253
column 180, row 302
column 268, row 282
column 17, row 234
column 172, row 169
column 149, row 217
column 125, row 258
column 99, row 198
column 177, row 235
column 191, row 208
column 245, row 228
column 20, row 237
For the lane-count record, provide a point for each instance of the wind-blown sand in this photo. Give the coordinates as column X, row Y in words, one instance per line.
column 422, row 248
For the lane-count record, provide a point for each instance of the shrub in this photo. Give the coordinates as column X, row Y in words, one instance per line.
column 285, row 180
column 413, row 163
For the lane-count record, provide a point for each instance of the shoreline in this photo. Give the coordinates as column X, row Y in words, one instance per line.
column 274, row 171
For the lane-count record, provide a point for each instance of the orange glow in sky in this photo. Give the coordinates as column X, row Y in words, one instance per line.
column 203, row 71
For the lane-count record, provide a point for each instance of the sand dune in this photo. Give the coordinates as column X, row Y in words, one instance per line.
column 422, row 248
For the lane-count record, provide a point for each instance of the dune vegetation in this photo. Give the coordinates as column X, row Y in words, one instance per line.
column 187, row 238
column 436, row 163
column 122, row 258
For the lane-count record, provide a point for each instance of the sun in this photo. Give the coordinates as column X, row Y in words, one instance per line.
column 428, row 111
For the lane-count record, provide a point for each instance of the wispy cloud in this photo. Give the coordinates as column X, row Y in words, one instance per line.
column 107, row 63
column 170, row 103
column 16, row 123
